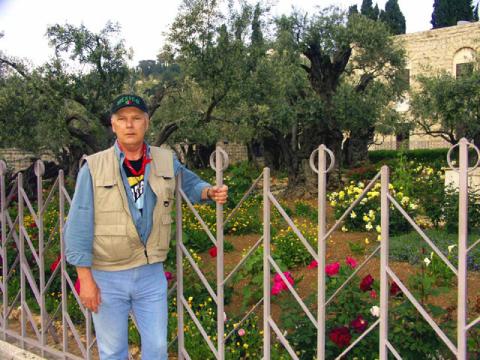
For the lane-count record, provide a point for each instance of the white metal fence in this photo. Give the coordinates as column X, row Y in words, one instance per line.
column 23, row 264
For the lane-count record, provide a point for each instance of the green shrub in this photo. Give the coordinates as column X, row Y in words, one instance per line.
column 450, row 210
column 305, row 210
column 289, row 248
column 428, row 156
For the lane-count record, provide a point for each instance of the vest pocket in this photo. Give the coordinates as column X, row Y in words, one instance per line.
column 111, row 243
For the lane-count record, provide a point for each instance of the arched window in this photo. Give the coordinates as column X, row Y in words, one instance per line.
column 463, row 62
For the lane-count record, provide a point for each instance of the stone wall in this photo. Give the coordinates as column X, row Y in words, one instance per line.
column 434, row 50
column 236, row 152
column 17, row 159
column 428, row 53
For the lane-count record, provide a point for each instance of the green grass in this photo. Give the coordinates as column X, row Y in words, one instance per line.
column 408, row 247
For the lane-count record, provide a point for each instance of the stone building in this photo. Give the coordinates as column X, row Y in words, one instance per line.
column 452, row 49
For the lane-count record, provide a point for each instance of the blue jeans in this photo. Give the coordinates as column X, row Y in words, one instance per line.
column 142, row 290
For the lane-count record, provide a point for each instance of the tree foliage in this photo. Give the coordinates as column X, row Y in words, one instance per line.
column 449, row 12
column 393, row 17
column 367, row 9
column 63, row 106
column 447, row 107
column 228, row 71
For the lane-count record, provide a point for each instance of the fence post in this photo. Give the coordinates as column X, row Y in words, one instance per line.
column 21, row 250
column 39, row 169
column 322, row 215
column 3, row 219
column 219, row 164
column 266, row 264
column 462, row 250
column 61, row 221
column 179, row 256
column 384, row 290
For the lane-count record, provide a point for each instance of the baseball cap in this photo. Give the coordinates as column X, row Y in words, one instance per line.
column 127, row 100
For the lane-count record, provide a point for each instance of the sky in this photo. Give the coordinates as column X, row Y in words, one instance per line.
column 143, row 22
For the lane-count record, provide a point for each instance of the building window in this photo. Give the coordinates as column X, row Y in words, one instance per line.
column 463, row 62
column 463, row 70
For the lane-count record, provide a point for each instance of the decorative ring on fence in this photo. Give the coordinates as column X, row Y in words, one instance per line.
column 470, row 169
column 39, row 168
column 3, row 168
column 224, row 159
column 332, row 160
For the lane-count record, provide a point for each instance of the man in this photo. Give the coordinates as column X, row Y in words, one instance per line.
column 118, row 231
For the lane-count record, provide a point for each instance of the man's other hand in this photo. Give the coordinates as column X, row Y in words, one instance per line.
column 89, row 291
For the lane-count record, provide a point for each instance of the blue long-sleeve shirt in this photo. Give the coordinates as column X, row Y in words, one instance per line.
column 78, row 232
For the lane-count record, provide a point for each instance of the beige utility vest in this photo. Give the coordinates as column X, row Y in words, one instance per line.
column 117, row 244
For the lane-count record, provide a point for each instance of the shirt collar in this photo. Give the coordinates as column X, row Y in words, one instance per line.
column 121, row 155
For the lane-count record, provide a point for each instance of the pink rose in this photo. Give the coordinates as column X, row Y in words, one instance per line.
column 313, row 264
column 277, row 288
column 351, row 262
column 168, row 275
column 278, row 279
column 241, row 332
column 332, row 269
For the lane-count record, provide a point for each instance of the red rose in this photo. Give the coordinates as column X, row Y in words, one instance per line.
column 313, row 264
column 213, row 251
column 359, row 324
column 366, row 283
column 340, row 336
column 168, row 275
column 332, row 269
column 55, row 263
column 394, row 289
column 77, row 286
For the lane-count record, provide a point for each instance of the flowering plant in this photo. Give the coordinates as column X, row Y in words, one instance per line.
column 366, row 215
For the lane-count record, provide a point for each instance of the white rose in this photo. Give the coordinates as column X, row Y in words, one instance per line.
column 375, row 311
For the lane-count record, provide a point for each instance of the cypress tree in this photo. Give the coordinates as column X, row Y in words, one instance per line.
column 376, row 12
column 449, row 12
column 368, row 10
column 257, row 35
column 352, row 10
column 393, row 17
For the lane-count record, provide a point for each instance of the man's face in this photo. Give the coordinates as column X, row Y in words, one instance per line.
column 130, row 125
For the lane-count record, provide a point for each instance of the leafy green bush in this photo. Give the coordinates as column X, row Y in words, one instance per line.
column 429, row 156
column 362, row 173
column 305, row 210
column 450, row 210
column 289, row 248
